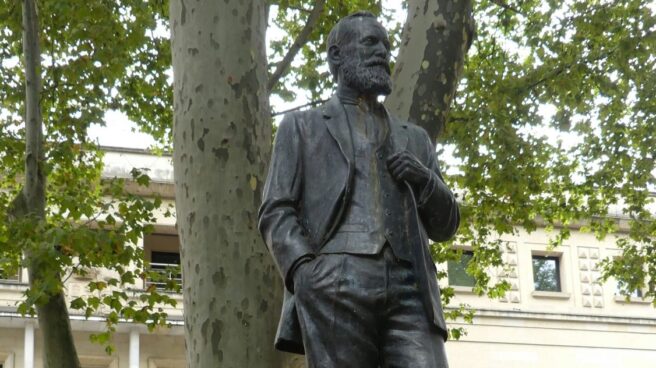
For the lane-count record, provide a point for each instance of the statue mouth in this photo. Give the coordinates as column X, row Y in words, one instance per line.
column 381, row 63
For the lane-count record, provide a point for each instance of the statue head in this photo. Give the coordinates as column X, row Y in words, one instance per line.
column 358, row 54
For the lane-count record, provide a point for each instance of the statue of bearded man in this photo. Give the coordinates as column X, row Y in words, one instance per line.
column 351, row 199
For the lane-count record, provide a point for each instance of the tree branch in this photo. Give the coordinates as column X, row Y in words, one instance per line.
column 300, row 40
column 313, row 103
column 563, row 68
column 505, row 5
column 299, row 8
column 17, row 207
column 34, row 180
column 425, row 79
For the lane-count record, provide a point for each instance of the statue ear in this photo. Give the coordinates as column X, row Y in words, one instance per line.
column 334, row 55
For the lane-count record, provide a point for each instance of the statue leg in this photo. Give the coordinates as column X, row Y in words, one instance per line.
column 337, row 303
column 409, row 339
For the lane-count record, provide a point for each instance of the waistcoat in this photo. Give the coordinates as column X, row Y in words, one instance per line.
column 377, row 210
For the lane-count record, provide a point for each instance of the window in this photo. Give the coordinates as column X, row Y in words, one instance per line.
column 163, row 253
column 546, row 273
column 621, row 287
column 166, row 264
column 457, row 271
column 619, row 290
column 5, row 277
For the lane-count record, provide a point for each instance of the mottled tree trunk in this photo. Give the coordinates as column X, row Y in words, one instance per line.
column 435, row 40
column 222, row 138
column 58, row 345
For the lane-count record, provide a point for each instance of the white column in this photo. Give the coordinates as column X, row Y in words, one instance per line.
column 28, row 349
column 134, row 349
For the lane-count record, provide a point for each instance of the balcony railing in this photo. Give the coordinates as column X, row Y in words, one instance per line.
column 167, row 272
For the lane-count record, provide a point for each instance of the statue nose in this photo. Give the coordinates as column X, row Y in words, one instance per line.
column 381, row 51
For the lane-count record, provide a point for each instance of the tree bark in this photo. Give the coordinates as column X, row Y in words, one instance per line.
column 435, row 40
column 58, row 345
column 222, row 139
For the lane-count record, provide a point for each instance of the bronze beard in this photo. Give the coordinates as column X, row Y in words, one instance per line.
column 371, row 77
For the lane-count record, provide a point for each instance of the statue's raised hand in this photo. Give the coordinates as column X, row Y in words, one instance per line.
column 404, row 166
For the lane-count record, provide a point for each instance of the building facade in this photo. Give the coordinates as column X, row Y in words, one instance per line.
column 135, row 346
column 556, row 314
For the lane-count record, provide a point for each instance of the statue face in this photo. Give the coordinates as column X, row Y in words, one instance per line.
column 365, row 58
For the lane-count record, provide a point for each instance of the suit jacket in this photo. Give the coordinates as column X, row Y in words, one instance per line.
column 308, row 189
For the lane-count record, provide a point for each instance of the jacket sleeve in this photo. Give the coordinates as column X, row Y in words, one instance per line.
column 437, row 205
column 278, row 220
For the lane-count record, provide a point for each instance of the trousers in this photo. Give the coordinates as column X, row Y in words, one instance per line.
column 365, row 311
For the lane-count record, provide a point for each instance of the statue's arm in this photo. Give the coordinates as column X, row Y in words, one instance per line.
column 278, row 216
column 436, row 203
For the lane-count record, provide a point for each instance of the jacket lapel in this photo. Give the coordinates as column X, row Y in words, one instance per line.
column 338, row 126
column 398, row 133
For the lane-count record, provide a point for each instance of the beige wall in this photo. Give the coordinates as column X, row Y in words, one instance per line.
column 583, row 292
column 585, row 325
column 521, row 342
column 503, row 355
column 11, row 346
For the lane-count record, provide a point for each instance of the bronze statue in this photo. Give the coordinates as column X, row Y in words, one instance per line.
column 351, row 198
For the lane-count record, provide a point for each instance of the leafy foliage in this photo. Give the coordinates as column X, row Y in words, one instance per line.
column 96, row 55
column 554, row 124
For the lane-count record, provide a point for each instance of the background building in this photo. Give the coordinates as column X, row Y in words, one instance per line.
column 557, row 313
column 135, row 346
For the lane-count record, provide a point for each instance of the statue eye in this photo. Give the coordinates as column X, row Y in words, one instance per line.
column 370, row 40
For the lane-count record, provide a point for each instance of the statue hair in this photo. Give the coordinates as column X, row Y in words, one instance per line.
column 342, row 34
